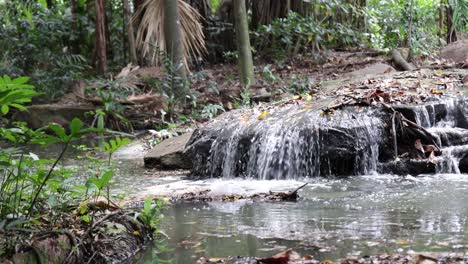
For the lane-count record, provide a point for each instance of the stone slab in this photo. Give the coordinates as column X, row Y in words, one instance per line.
column 169, row 154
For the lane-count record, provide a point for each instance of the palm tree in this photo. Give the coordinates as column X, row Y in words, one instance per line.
column 152, row 38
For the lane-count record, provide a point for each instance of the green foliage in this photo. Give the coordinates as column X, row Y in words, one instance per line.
column 30, row 185
column 111, row 114
column 210, row 111
column 15, row 93
column 389, row 24
column 214, row 5
column 35, row 41
column 151, row 212
column 245, row 97
column 174, row 88
column 113, row 145
column 460, row 15
column 269, row 76
column 297, row 34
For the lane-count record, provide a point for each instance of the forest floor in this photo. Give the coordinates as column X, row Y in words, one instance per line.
column 216, row 88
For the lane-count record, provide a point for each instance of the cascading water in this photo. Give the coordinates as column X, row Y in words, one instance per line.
column 453, row 140
column 290, row 143
column 296, row 141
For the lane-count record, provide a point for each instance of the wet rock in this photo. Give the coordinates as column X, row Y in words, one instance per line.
column 407, row 167
column 373, row 69
column 456, row 51
column 169, row 154
column 463, row 165
column 426, row 115
column 451, row 136
column 38, row 116
column 286, row 144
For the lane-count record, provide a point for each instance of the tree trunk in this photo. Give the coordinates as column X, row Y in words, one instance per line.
column 76, row 39
column 174, row 45
column 410, row 31
column 130, row 33
column 101, row 45
column 441, row 21
column 451, row 34
column 243, row 43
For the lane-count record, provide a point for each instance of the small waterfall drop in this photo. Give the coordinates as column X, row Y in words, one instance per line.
column 298, row 141
column 452, row 140
column 293, row 143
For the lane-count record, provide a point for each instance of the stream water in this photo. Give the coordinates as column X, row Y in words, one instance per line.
column 334, row 218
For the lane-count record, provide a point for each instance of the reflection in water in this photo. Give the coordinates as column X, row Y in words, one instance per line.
column 335, row 218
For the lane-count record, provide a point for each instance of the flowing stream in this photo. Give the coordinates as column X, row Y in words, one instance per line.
column 364, row 214
column 335, row 218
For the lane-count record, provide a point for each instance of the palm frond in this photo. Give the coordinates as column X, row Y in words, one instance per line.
column 460, row 15
column 150, row 35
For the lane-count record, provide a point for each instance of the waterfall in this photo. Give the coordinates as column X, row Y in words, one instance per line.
column 453, row 140
column 293, row 143
column 298, row 141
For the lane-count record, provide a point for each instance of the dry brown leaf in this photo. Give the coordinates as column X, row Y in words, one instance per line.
column 282, row 257
column 418, row 145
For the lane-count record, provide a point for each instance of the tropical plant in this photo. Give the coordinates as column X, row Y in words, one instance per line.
column 151, row 212
column 150, row 35
column 460, row 15
column 210, row 111
column 34, row 41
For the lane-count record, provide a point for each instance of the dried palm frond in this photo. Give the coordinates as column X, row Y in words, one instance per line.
column 150, row 34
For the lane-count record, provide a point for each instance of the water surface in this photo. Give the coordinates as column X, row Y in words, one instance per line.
column 334, row 218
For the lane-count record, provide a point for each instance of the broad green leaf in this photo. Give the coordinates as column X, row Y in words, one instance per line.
column 75, row 127
column 5, row 109
column 106, row 177
column 59, row 131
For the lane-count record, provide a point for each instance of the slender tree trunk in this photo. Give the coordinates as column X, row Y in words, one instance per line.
column 130, row 33
column 101, row 45
column 441, row 22
column 74, row 26
column 174, row 45
column 410, row 31
column 108, row 21
column 243, row 43
column 451, row 34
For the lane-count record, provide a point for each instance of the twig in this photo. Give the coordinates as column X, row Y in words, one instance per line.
column 295, row 191
column 395, row 143
column 413, row 124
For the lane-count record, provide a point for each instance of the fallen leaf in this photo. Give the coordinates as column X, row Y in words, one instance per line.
column 432, row 158
column 263, row 115
column 282, row 257
column 423, row 259
column 436, row 92
column 418, row 145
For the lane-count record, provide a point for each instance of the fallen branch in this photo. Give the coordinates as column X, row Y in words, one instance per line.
column 131, row 100
column 428, row 135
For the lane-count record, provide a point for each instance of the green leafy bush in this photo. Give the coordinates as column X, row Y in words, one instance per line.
column 36, row 41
